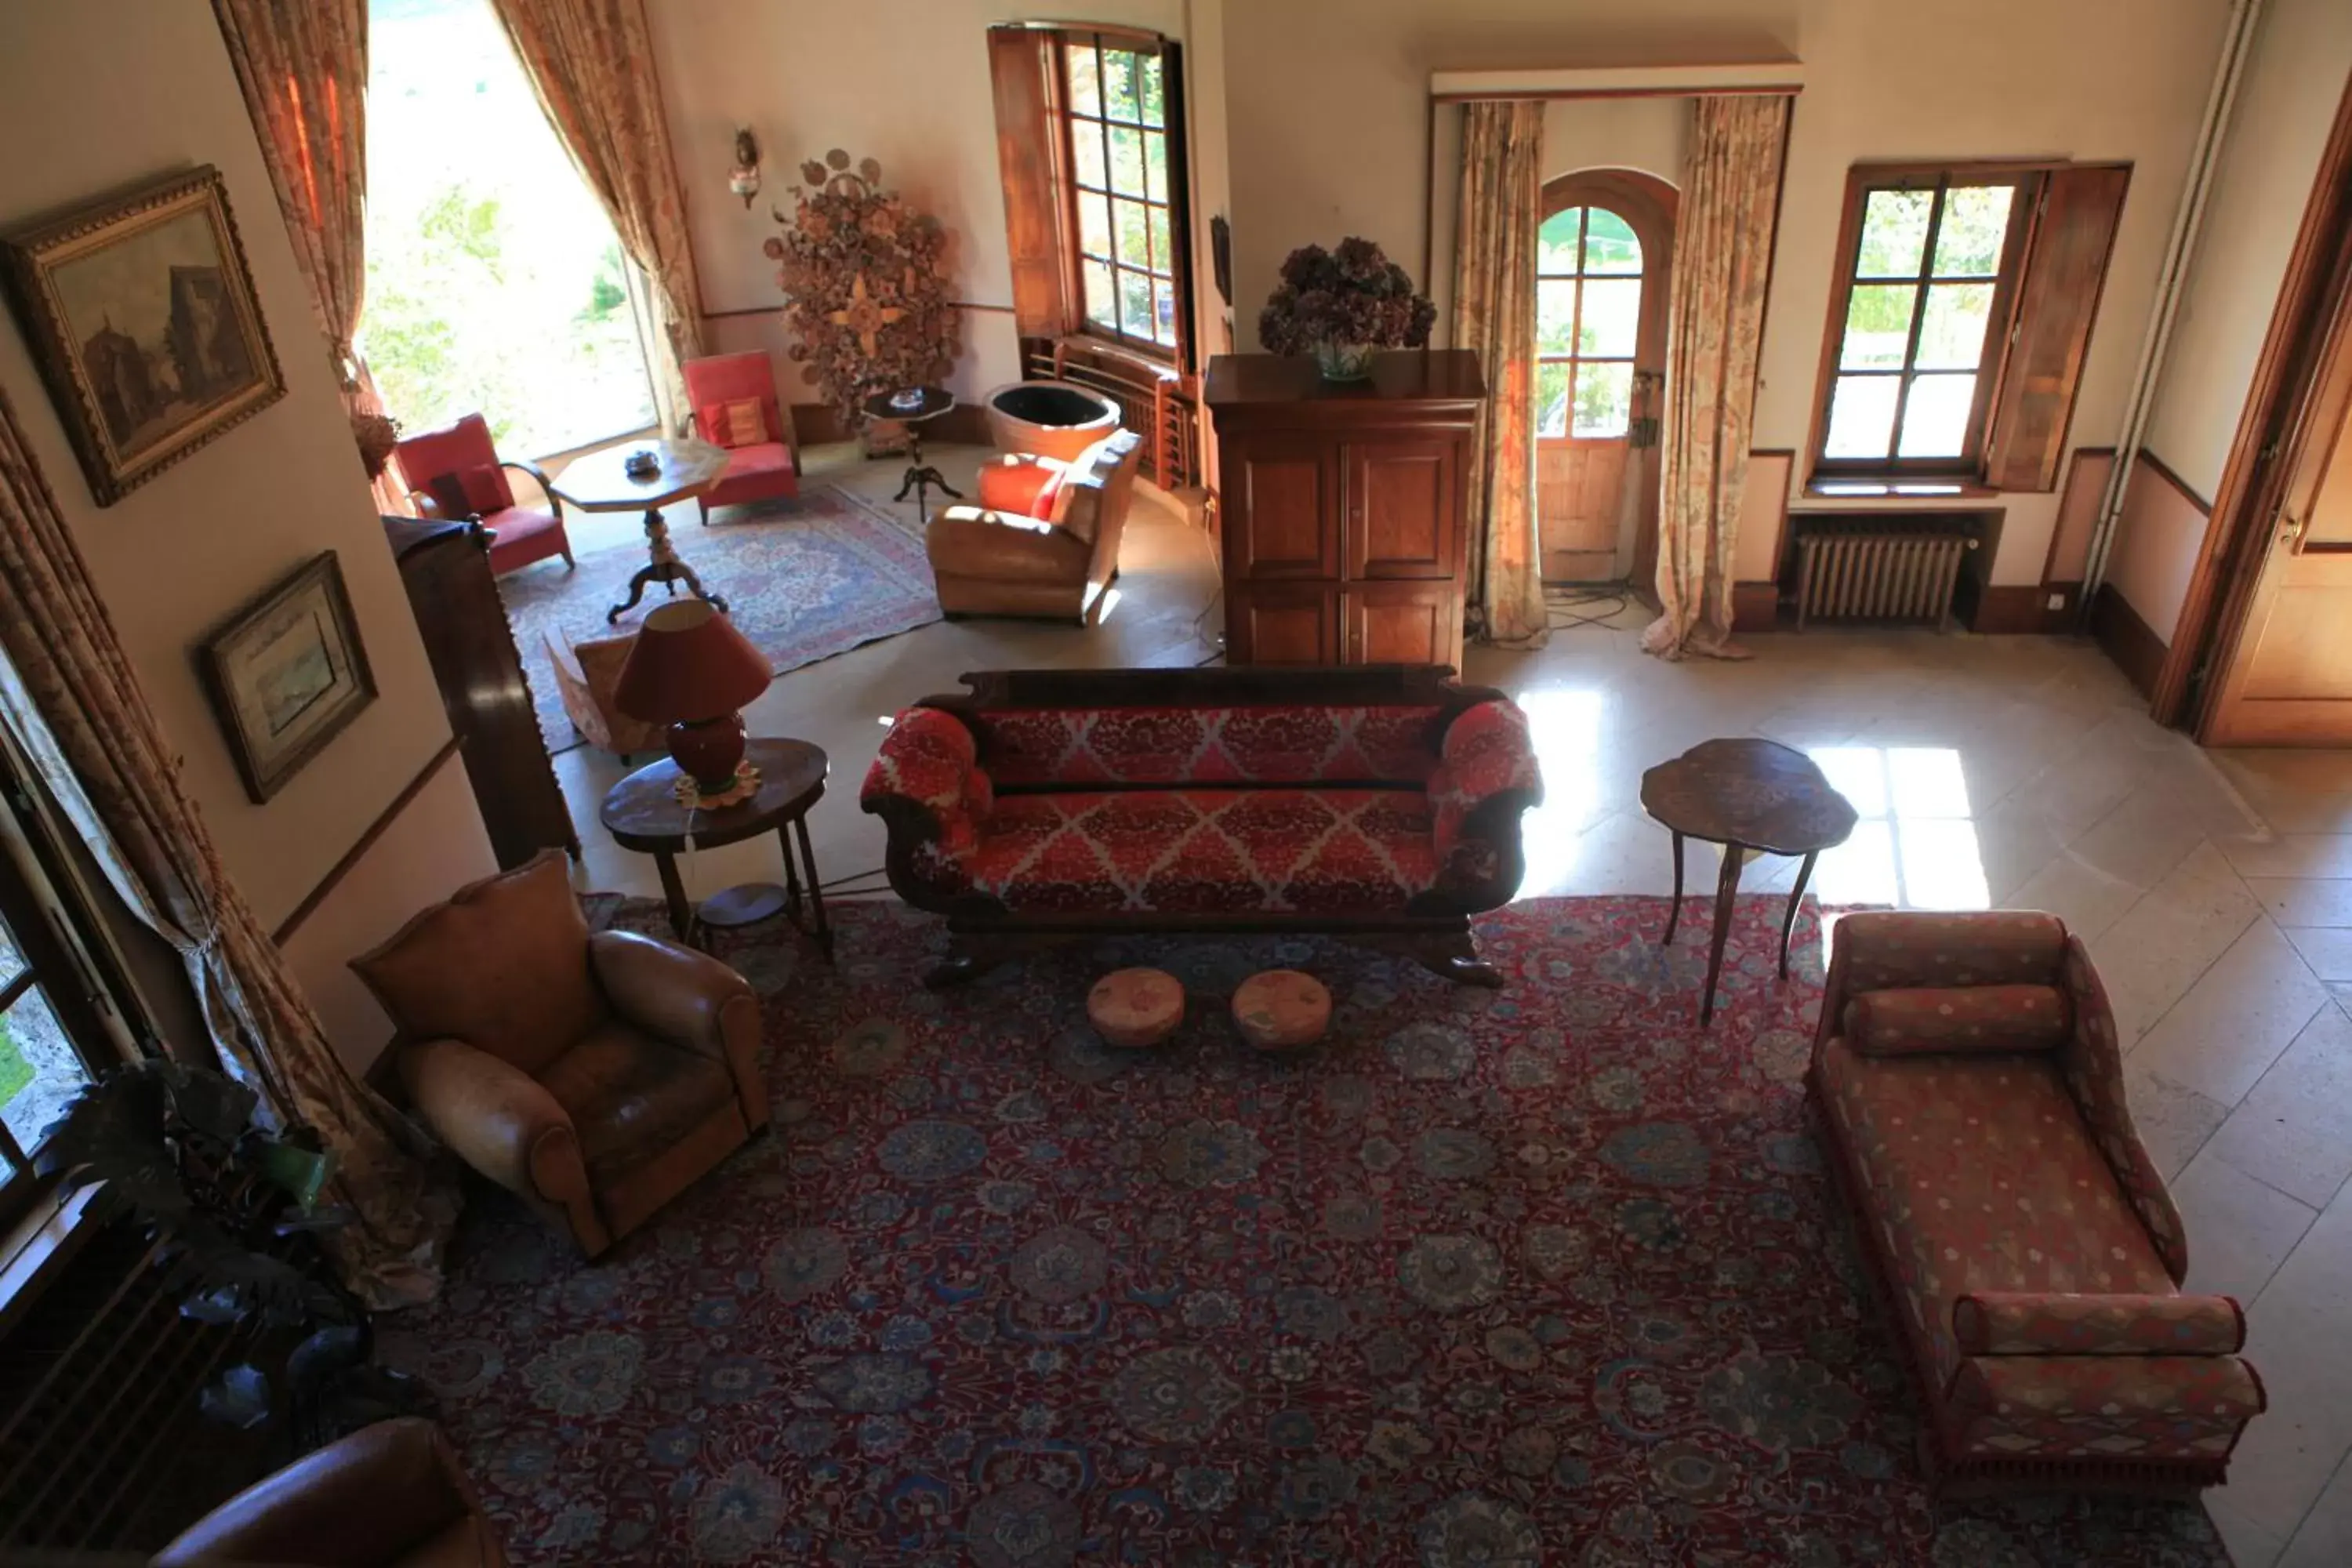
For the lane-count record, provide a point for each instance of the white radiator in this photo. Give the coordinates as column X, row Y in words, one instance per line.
column 1878, row 576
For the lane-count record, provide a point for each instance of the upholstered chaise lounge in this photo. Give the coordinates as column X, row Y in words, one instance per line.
column 1967, row 1078
column 1379, row 802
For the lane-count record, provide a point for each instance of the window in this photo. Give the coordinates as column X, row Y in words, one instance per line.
column 495, row 282
column 1091, row 141
column 1115, row 118
column 1957, row 329
column 1588, row 316
column 59, row 1022
column 1928, row 274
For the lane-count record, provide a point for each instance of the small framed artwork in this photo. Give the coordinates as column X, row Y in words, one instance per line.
column 141, row 312
column 286, row 674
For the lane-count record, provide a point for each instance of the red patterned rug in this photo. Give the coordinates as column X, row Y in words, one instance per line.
column 804, row 579
column 1548, row 1276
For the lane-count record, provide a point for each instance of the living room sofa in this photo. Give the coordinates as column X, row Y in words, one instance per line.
column 1969, row 1081
column 1379, row 802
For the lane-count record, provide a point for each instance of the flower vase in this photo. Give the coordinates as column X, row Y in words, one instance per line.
column 1344, row 362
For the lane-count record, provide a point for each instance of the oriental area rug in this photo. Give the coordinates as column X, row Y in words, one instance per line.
column 1548, row 1276
column 804, row 579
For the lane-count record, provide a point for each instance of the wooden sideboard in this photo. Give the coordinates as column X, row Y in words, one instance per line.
column 1345, row 507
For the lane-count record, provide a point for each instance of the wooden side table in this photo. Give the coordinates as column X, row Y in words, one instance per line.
column 1745, row 795
column 643, row 812
column 921, row 477
column 601, row 482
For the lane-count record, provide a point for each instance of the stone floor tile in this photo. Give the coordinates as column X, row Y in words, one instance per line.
column 2292, row 855
column 2251, row 1545
column 2325, row 1539
column 2305, row 1164
column 2310, row 1086
column 2240, row 1230
column 2237, row 1018
column 2173, row 1122
column 2327, row 949
column 2305, row 900
column 2088, row 899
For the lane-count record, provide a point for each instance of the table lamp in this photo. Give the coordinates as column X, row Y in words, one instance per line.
column 692, row 670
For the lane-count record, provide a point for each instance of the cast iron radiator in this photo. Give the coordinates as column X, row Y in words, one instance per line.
column 1875, row 573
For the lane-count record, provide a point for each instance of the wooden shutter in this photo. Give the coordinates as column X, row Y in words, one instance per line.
column 2057, row 301
column 1028, row 152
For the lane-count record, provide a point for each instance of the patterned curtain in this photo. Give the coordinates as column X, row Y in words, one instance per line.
column 69, row 669
column 1494, row 314
column 1723, row 258
column 303, row 67
column 592, row 64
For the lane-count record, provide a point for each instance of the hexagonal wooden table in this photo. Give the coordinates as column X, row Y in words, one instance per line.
column 601, row 481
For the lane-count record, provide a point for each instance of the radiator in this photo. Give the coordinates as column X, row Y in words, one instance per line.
column 1878, row 576
column 1153, row 400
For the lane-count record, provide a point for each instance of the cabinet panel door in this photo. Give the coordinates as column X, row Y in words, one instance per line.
column 1404, row 509
column 1282, row 507
column 1282, row 623
column 1402, row 623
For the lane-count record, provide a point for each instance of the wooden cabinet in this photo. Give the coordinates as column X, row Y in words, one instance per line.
column 445, row 566
column 1344, row 507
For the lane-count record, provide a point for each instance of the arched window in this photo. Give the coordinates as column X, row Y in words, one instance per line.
column 1588, row 314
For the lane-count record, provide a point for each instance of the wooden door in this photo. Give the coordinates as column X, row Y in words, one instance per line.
column 1403, row 508
column 2289, row 682
column 1402, row 622
column 1281, row 502
column 1605, row 255
column 1282, row 623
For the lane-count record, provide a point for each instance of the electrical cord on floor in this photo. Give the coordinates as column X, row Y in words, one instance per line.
column 1573, row 599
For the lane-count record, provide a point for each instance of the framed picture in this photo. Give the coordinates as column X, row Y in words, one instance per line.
column 287, row 675
column 142, row 314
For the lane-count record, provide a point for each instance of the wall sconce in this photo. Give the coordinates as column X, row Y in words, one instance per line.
column 743, row 179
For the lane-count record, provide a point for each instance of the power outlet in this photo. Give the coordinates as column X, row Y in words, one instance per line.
column 2056, row 601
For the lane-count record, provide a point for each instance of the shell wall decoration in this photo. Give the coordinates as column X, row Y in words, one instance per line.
column 865, row 286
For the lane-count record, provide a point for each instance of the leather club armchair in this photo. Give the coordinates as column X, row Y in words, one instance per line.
column 1002, row 562
column 388, row 1496
column 595, row 1075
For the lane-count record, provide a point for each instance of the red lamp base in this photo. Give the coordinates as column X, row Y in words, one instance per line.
column 708, row 751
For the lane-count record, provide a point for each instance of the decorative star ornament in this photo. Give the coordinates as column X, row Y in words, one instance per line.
column 865, row 315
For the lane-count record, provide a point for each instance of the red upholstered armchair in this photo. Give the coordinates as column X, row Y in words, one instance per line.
column 1967, row 1077
column 456, row 472
column 761, row 463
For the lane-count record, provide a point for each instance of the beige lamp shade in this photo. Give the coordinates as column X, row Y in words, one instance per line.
column 689, row 664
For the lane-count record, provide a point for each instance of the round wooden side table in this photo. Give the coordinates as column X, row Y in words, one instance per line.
column 643, row 812
column 921, row 477
column 1745, row 795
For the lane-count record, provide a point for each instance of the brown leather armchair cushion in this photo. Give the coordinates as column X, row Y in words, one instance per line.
column 595, row 1075
column 389, row 1496
column 989, row 562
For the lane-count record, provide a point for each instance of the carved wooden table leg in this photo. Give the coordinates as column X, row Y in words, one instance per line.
column 1796, row 897
column 1727, row 897
column 1674, row 909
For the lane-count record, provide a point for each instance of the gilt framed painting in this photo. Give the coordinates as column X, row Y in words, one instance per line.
column 286, row 674
column 141, row 312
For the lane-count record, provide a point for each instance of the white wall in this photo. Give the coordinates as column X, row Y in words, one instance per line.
column 95, row 97
column 904, row 82
column 1329, row 105
column 2287, row 105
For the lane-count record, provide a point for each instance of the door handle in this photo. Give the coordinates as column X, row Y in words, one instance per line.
column 2289, row 528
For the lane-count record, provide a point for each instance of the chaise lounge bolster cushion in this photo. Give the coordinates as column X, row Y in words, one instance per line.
column 2102, row 1407
column 1993, row 1019
column 1485, row 758
column 2065, row 1323
column 927, row 778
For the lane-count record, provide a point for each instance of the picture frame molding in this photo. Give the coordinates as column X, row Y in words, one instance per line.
column 323, row 570
column 29, row 252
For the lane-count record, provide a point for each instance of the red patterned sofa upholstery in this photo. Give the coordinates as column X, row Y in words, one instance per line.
column 1968, row 1078
column 1047, row 805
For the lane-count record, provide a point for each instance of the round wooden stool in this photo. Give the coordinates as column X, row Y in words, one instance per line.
column 1134, row 1008
column 1282, row 1010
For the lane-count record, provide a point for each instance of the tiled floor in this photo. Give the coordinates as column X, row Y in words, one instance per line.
column 2215, row 891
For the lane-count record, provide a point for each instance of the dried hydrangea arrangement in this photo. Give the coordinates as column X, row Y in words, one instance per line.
column 1342, row 305
column 866, row 286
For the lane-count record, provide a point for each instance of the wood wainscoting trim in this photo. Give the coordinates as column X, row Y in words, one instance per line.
column 1755, row 608
column 2138, row 651
column 2163, row 472
column 2009, row 609
column 365, row 842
